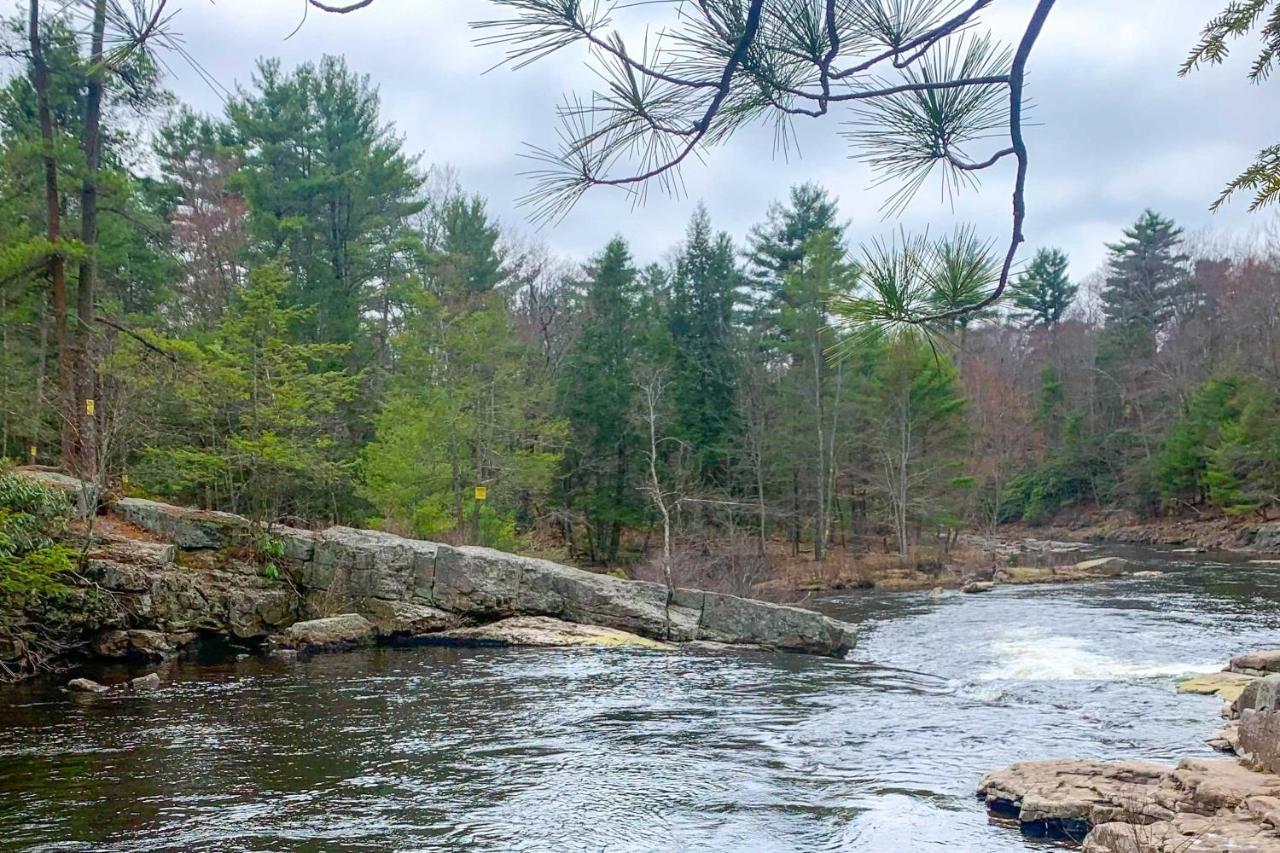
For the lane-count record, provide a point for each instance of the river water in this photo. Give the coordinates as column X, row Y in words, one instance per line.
column 435, row 748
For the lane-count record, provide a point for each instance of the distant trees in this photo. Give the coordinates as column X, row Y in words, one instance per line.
column 1043, row 293
column 1146, row 275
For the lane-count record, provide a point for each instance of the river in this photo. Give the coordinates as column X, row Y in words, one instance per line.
column 434, row 748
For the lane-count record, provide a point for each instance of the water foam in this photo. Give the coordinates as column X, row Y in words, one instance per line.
column 1037, row 657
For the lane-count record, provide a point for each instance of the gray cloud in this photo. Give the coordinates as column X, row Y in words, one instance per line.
column 1117, row 130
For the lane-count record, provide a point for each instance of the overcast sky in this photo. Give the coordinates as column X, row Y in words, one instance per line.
column 1116, row 129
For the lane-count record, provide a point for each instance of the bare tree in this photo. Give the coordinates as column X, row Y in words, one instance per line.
column 664, row 500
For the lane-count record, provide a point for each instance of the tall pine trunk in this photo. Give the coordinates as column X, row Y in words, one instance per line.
column 56, row 265
column 86, row 368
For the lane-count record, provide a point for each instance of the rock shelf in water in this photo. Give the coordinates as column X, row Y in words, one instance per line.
column 1140, row 807
column 192, row 584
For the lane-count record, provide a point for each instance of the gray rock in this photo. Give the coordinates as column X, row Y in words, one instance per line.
column 352, row 564
column 545, row 631
column 1258, row 740
column 477, row 581
column 185, row 527
column 1262, row 694
column 283, row 654
column 1267, row 538
column 727, row 618
column 331, row 633
column 136, row 643
column 978, row 586
column 142, row 683
column 1103, row 567
column 404, row 620
column 86, row 685
column 1258, row 662
column 84, row 496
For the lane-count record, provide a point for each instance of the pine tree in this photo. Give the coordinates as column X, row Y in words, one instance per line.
column 597, row 395
column 700, row 318
column 1146, row 274
column 777, row 245
column 329, row 187
column 1042, row 294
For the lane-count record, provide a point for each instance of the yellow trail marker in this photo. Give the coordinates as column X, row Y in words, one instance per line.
column 88, row 407
column 31, row 451
column 482, row 493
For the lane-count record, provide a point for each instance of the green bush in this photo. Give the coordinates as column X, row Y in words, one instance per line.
column 32, row 563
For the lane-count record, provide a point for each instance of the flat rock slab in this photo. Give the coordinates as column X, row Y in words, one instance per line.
column 1228, row 685
column 545, row 631
column 1129, row 802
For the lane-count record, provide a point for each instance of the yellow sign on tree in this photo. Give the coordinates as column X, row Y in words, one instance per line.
column 88, row 407
column 482, row 493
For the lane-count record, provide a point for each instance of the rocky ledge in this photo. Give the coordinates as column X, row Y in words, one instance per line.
column 174, row 574
column 1139, row 807
column 1102, row 568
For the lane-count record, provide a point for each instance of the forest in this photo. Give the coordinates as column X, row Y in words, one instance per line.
column 282, row 311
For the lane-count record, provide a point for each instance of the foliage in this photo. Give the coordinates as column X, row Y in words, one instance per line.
column 1043, row 293
column 1237, row 20
column 1146, row 275
column 257, row 412
column 32, row 564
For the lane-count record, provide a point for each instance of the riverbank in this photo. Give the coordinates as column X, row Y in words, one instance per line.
column 1203, row 533
column 1144, row 807
column 163, row 579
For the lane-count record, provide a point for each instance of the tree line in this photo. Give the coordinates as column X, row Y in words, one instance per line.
column 281, row 311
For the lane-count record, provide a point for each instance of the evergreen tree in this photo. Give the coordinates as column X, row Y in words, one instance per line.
column 254, row 415
column 597, row 396
column 777, row 245
column 329, row 187
column 700, row 318
column 1146, row 274
column 1042, row 294
column 466, row 408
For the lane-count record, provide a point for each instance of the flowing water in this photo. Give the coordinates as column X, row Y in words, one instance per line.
column 436, row 748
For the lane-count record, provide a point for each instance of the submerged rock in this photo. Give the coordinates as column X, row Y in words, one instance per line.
column 1228, row 685
column 545, row 631
column 331, row 633
column 142, row 683
column 978, row 586
column 86, row 685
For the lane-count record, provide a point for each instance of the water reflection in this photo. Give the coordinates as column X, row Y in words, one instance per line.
column 488, row 749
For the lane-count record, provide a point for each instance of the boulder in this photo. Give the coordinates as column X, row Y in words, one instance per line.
column 978, row 586
column 1266, row 538
column 1228, row 685
column 1103, row 567
column 84, row 496
column 1260, row 694
column 1062, row 799
column 137, row 644
column 398, row 620
column 479, row 581
column 332, row 633
column 86, row 685
column 1026, row 574
column 183, row 526
column 143, row 683
column 1258, row 740
column 1258, row 662
column 728, row 618
column 545, row 631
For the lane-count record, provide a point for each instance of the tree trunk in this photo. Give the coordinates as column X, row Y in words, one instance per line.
column 820, row 513
column 56, row 265
column 86, row 368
